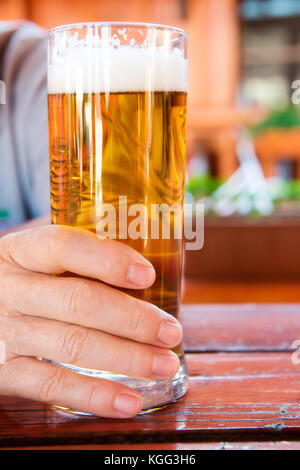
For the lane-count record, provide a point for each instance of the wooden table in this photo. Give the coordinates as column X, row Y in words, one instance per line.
column 244, row 392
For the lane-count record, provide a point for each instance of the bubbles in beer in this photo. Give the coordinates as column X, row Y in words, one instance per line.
column 117, row 127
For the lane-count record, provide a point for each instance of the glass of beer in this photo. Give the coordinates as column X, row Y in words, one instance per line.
column 117, row 141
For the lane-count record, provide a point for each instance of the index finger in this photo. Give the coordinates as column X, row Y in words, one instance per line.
column 54, row 249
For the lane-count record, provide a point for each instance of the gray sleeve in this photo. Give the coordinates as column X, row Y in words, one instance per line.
column 30, row 126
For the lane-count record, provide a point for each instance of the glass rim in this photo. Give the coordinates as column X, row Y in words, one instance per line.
column 65, row 27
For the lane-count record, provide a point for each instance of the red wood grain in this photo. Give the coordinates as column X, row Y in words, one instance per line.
column 235, row 396
column 272, row 445
column 241, row 327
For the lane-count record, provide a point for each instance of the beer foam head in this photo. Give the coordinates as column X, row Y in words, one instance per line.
column 106, row 69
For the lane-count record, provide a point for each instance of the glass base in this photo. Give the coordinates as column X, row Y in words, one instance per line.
column 156, row 394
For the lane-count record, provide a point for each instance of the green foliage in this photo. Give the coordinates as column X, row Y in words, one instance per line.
column 284, row 118
column 202, row 185
column 288, row 191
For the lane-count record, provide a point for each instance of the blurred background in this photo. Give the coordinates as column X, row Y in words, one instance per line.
column 243, row 134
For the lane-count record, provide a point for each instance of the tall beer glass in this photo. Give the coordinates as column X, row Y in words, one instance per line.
column 117, row 136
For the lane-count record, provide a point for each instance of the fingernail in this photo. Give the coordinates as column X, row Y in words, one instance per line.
column 170, row 333
column 127, row 404
column 141, row 275
column 165, row 365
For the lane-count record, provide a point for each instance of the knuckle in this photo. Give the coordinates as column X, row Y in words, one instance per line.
column 11, row 329
column 57, row 238
column 11, row 278
column 145, row 321
column 74, row 343
column 139, row 323
column 55, row 233
column 75, row 297
column 50, row 236
column 92, row 397
column 7, row 247
column 52, row 386
column 136, row 360
column 5, row 240
column 9, row 373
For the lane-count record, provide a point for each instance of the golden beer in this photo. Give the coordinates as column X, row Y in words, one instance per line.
column 142, row 158
column 111, row 141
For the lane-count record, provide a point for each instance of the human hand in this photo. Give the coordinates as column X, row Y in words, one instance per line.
column 79, row 321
